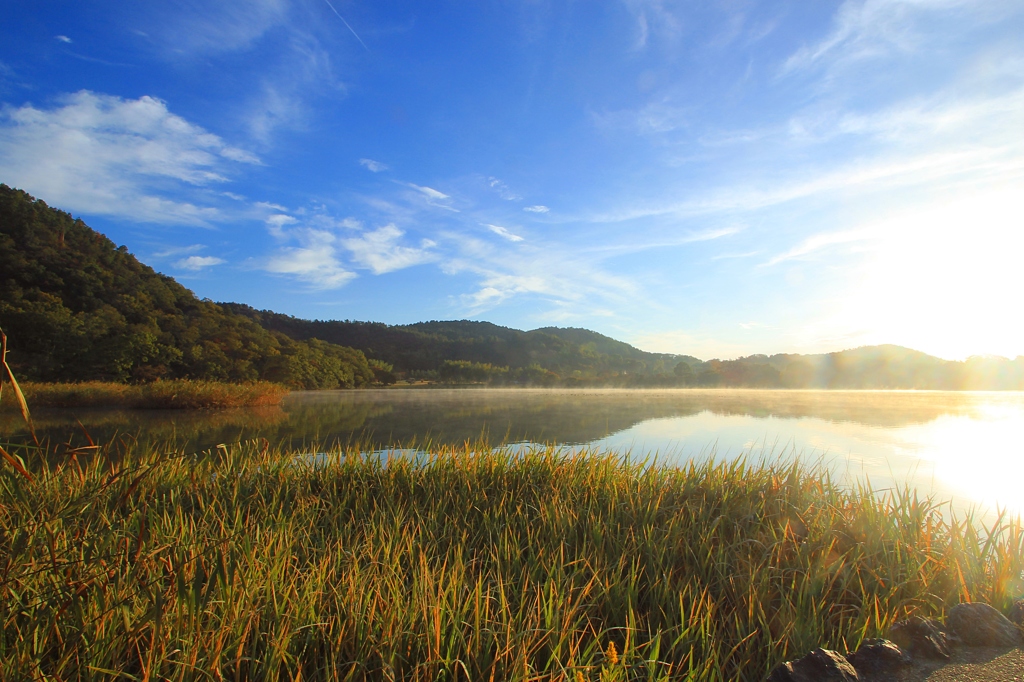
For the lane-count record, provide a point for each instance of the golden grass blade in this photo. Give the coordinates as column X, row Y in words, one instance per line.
column 13, row 461
column 17, row 389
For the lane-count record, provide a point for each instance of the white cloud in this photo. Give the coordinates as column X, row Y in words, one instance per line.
column 887, row 172
column 558, row 277
column 654, row 118
column 110, row 156
column 503, row 232
column 638, row 243
column 197, row 263
column 276, row 224
column 380, row 251
column 819, row 242
column 201, row 27
column 315, row 262
column 277, row 105
column 502, row 189
column 179, row 251
column 430, row 192
column 875, row 28
column 658, row 18
column 63, row 39
column 434, row 197
column 373, row 166
column 536, row 209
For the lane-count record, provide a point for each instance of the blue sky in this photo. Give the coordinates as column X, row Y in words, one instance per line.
column 717, row 179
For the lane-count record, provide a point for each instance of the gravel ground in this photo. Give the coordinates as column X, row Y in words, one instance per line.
column 976, row 664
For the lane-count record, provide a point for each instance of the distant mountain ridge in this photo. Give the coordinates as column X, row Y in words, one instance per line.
column 77, row 307
column 550, row 354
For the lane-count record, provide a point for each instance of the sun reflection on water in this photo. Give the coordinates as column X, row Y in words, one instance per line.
column 973, row 458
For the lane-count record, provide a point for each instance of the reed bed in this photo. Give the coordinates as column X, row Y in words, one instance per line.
column 253, row 563
column 164, row 394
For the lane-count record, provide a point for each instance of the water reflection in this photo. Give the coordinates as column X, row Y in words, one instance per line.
column 955, row 444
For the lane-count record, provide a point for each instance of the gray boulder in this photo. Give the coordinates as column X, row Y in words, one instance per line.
column 921, row 638
column 1017, row 613
column 878, row 657
column 981, row 625
column 821, row 665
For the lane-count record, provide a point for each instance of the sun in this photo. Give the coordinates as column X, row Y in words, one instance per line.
column 946, row 278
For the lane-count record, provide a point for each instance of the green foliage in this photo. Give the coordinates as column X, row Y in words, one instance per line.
column 256, row 564
column 78, row 308
column 466, row 372
column 383, row 372
column 316, row 364
column 546, row 357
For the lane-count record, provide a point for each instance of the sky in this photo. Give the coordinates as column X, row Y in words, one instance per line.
column 716, row 179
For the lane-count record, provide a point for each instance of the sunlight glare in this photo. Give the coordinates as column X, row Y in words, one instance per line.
column 946, row 279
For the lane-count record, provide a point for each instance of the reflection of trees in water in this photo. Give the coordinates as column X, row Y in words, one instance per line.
column 184, row 428
column 380, row 418
column 564, row 416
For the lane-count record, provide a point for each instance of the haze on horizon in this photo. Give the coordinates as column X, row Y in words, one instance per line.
column 717, row 180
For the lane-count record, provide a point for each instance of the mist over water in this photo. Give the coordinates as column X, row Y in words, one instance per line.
column 960, row 446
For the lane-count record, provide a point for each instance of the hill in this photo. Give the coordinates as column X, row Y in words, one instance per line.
column 77, row 307
column 464, row 347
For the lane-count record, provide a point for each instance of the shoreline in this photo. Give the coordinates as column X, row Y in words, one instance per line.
column 173, row 394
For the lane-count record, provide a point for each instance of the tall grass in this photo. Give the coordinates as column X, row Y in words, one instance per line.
column 251, row 563
column 164, row 394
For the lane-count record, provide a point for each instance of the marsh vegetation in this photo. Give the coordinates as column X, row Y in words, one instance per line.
column 252, row 562
column 164, row 394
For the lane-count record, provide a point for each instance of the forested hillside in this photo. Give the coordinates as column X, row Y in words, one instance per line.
column 77, row 307
column 481, row 351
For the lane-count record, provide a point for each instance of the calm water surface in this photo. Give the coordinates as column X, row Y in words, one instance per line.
column 964, row 447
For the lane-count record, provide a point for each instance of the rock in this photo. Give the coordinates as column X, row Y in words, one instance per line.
column 878, row 657
column 921, row 638
column 821, row 665
column 981, row 625
column 1017, row 613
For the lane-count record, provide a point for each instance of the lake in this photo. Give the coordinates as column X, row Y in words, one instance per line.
column 967, row 447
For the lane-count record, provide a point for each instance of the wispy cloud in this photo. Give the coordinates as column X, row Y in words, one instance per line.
column 373, row 166
column 502, row 189
column 639, row 243
column 277, row 223
column 819, row 242
column 63, row 39
column 216, row 27
column 110, row 156
column 536, row 209
column 503, row 232
column 196, row 263
column 554, row 275
column 888, row 172
column 430, row 193
column 315, row 262
column 179, row 251
column 434, row 197
column 655, row 18
column 380, row 250
column 865, row 29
